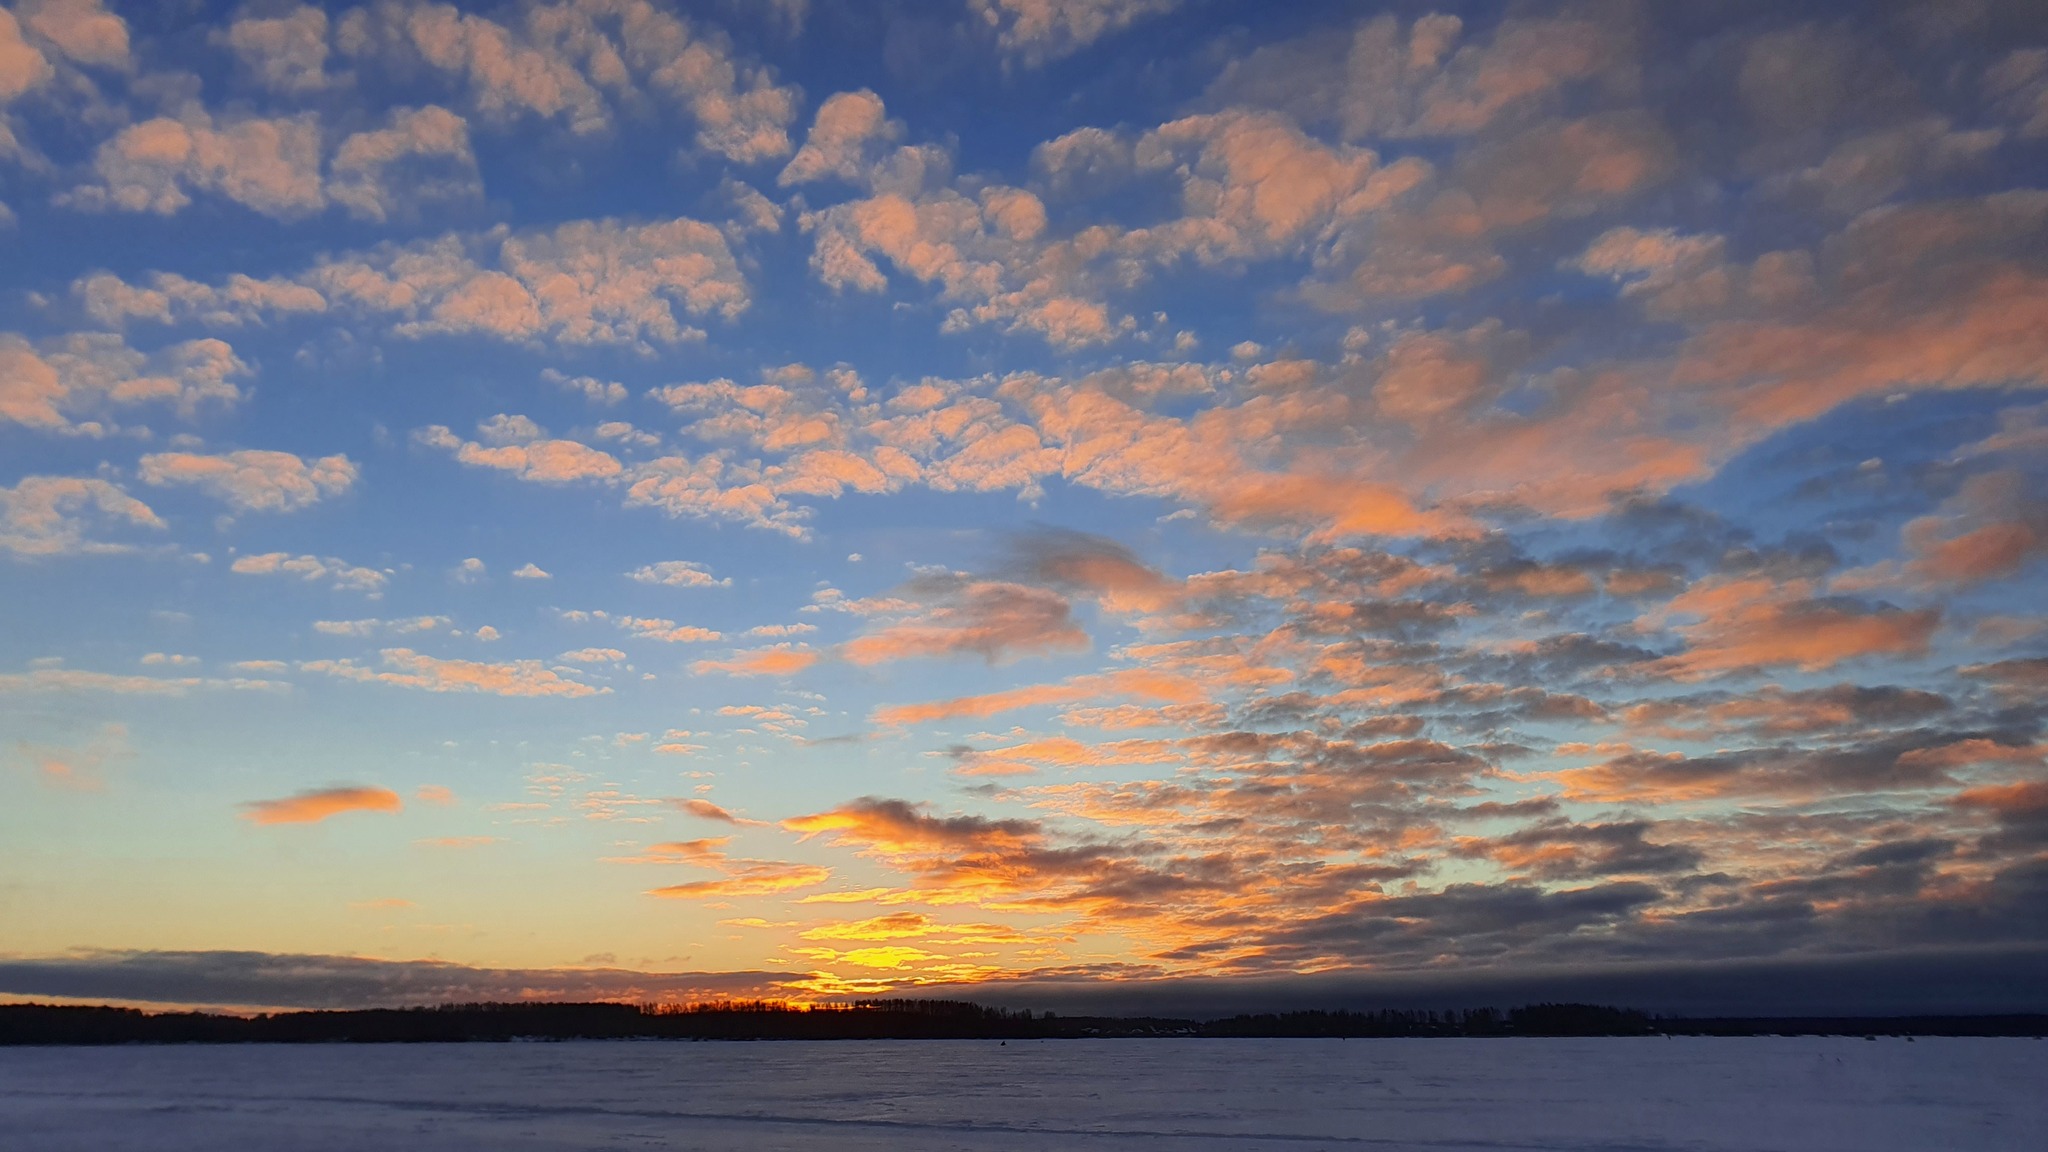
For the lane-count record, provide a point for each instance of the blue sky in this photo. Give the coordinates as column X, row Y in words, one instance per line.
column 804, row 498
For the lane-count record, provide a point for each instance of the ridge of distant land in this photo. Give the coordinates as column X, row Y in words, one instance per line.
column 911, row 1020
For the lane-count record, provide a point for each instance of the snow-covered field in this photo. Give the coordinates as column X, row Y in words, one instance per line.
column 1808, row 1095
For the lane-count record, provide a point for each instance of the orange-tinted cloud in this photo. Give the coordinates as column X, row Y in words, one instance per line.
column 530, row 456
column 1143, row 683
column 270, row 165
column 896, row 826
column 353, row 577
column 76, row 768
column 72, row 383
column 317, row 805
column 776, row 660
column 251, row 480
column 409, row 669
column 1989, row 531
column 2027, row 796
column 1751, row 623
column 50, row 515
column 705, row 809
column 738, row 877
column 1042, row 30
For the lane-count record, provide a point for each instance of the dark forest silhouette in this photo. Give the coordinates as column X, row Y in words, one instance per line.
column 908, row 1020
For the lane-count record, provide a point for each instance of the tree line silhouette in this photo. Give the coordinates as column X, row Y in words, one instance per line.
column 909, row 1020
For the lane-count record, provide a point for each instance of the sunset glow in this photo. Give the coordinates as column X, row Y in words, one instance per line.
column 661, row 501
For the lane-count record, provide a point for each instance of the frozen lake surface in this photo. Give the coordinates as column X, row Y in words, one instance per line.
column 1702, row 1095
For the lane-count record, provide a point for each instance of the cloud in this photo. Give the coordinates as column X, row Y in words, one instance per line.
column 915, row 926
column 960, row 615
column 47, row 387
column 1017, row 864
column 1751, row 623
column 775, row 660
column 593, row 656
column 1037, row 31
column 590, row 281
column 1128, row 682
column 1676, row 271
column 460, row 842
column 1775, row 712
column 409, row 669
column 317, row 805
column 22, row 66
column 1915, row 760
column 422, row 157
column 1561, row 850
column 170, row 298
column 2019, row 84
column 506, row 75
column 1989, row 530
column 50, row 515
column 269, row 165
column 68, row 680
column 1870, row 169
column 285, row 53
column 595, row 390
column 266, row 980
column 846, row 138
column 540, row 460
column 659, row 628
column 346, row 576
column 1427, row 77
column 1111, row 445
column 82, row 30
column 80, row 768
column 737, row 877
column 678, row 574
column 367, row 627
column 567, row 59
column 627, row 435
column 898, row 826
column 253, row 480
column 1879, row 335
column 2015, row 678
column 984, row 253
column 1095, row 566
column 706, row 810
column 585, row 282
column 2020, row 810
column 1253, row 185
column 530, row 571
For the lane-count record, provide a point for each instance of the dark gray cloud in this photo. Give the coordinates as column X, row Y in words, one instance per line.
column 270, row 980
column 1475, row 922
column 1909, row 980
column 1562, row 850
column 1083, row 563
column 959, row 616
column 1916, row 980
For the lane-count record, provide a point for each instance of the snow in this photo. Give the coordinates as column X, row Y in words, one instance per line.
column 1702, row 1095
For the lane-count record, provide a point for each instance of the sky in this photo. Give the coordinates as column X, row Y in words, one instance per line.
column 806, row 498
